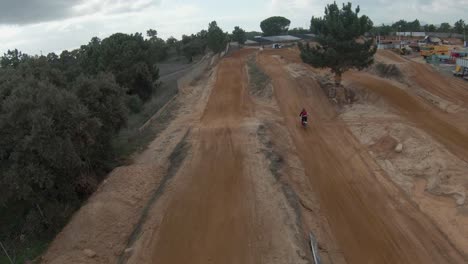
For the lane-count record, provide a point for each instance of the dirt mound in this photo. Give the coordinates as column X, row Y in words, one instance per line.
column 356, row 204
column 389, row 57
column 384, row 146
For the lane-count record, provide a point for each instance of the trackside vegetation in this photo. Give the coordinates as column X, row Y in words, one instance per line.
column 60, row 115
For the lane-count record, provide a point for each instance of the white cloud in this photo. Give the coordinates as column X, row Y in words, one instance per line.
column 112, row 6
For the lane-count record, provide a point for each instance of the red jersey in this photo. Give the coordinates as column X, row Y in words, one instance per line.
column 303, row 113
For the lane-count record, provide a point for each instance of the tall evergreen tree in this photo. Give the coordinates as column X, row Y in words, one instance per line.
column 341, row 45
column 238, row 34
column 459, row 26
column 217, row 39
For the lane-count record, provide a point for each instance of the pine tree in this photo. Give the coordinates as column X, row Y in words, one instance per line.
column 217, row 39
column 341, row 45
column 238, row 34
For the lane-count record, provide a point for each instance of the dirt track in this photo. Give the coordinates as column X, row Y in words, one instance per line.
column 371, row 224
column 451, row 89
column 228, row 203
column 415, row 110
column 217, row 214
column 212, row 220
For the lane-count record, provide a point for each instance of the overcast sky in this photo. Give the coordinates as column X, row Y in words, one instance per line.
column 54, row 25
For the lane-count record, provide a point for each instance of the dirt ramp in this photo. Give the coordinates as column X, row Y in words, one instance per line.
column 413, row 108
column 372, row 222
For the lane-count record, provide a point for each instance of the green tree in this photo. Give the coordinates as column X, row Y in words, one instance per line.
column 382, row 30
column 105, row 101
column 414, row 26
column 173, row 43
column 298, row 31
column 341, row 45
column 122, row 54
column 151, row 33
column 445, row 27
column 90, row 58
column 317, row 25
column 459, row 26
column 142, row 81
column 12, row 58
column 401, row 26
column 45, row 137
column 430, row 28
column 194, row 45
column 58, row 117
column 238, row 35
column 275, row 25
column 216, row 38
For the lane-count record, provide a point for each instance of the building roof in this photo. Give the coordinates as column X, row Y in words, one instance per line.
column 281, row 38
column 250, row 42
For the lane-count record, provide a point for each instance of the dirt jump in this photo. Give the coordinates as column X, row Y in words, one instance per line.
column 250, row 183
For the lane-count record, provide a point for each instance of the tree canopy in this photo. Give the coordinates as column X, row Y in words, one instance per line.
column 341, row 45
column 194, row 44
column 275, row 25
column 217, row 39
column 459, row 27
column 238, row 35
column 430, row 28
column 445, row 27
column 59, row 115
column 298, row 31
column 415, row 26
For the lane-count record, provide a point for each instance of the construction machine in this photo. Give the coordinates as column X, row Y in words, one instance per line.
column 427, row 51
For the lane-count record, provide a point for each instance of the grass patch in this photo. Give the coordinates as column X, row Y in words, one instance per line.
column 388, row 71
column 259, row 81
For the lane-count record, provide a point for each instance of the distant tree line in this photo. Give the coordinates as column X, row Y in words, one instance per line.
column 59, row 114
column 458, row 27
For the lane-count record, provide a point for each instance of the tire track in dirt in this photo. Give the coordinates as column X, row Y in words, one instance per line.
column 216, row 218
column 215, row 203
column 372, row 223
column 175, row 159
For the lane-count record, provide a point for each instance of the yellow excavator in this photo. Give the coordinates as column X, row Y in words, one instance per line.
column 427, row 51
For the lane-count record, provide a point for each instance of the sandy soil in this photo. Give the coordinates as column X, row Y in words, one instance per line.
column 431, row 170
column 234, row 178
column 449, row 95
column 228, row 211
column 108, row 219
column 358, row 201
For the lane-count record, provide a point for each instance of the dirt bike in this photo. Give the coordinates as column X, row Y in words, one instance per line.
column 304, row 122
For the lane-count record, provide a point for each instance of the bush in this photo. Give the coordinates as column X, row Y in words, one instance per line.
column 388, row 70
column 134, row 104
column 55, row 142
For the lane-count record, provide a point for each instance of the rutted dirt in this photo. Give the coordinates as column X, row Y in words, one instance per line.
column 359, row 207
column 451, row 136
column 223, row 214
column 433, row 167
column 235, row 179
